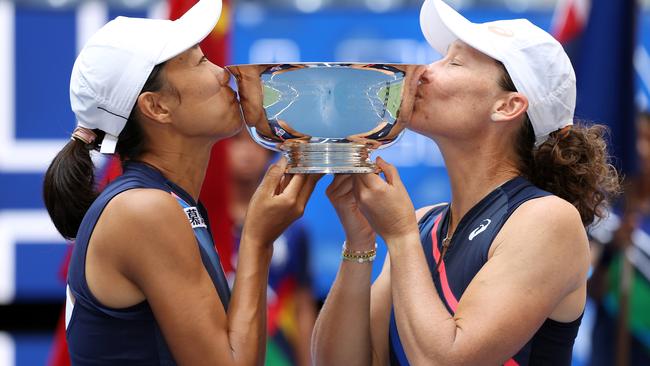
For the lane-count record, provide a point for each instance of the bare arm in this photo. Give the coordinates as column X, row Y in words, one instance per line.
column 538, row 261
column 352, row 328
column 380, row 307
column 537, row 264
column 342, row 331
column 166, row 267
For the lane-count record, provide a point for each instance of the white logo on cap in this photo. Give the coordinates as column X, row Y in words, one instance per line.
column 484, row 224
column 501, row 31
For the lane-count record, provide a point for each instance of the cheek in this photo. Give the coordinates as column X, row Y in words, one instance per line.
column 203, row 85
column 214, row 99
column 455, row 90
column 435, row 97
column 209, row 90
column 446, row 101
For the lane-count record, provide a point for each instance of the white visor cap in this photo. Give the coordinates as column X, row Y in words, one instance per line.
column 112, row 68
column 536, row 62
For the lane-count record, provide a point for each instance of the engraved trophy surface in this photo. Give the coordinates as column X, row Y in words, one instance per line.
column 326, row 117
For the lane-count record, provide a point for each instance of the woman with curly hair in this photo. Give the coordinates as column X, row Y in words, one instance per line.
column 497, row 276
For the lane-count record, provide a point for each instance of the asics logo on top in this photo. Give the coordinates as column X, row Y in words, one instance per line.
column 484, row 224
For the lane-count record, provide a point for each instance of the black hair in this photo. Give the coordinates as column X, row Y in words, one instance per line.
column 69, row 184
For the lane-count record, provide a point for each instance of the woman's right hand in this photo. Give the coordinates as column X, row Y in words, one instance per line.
column 279, row 200
column 358, row 232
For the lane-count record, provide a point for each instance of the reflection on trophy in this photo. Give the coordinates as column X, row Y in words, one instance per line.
column 326, row 117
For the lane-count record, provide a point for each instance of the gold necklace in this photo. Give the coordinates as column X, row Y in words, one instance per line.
column 446, row 242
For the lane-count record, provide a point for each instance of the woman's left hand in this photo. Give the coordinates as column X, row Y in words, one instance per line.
column 385, row 203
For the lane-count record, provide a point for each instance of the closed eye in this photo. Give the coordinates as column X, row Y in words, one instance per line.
column 203, row 59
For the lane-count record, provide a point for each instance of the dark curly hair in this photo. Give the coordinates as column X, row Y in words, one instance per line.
column 573, row 163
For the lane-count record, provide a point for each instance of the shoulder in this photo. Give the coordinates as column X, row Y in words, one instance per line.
column 547, row 228
column 145, row 205
column 549, row 211
column 145, row 215
column 420, row 212
column 549, row 217
column 146, row 230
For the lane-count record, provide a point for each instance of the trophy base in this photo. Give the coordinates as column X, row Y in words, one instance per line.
column 328, row 158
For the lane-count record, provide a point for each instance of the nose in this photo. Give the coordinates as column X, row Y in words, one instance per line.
column 224, row 76
column 426, row 75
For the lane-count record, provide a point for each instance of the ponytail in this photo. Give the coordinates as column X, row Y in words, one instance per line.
column 69, row 187
column 69, row 184
column 574, row 165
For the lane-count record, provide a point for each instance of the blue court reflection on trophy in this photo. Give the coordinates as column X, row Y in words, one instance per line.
column 324, row 113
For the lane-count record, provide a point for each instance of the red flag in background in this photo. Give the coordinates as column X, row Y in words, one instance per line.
column 216, row 45
column 215, row 194
column 569, row 19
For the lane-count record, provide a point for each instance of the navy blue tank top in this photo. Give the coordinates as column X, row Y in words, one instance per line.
column 99, row 335
column 468, row 251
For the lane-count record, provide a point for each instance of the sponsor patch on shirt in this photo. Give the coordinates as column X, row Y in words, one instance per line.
column 195, row 217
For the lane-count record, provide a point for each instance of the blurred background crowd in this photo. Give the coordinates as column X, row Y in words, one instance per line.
column 608, row 40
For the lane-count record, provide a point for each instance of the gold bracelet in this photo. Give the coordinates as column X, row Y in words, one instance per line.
column 359, row 256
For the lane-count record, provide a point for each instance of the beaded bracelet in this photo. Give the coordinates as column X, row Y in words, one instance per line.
column 359, row 256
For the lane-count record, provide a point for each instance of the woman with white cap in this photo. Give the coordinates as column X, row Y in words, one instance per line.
column 498, row 276
column 145, row 285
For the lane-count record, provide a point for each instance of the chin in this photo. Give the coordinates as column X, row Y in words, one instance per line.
column 236, row 124
column 421, row 125
column 413, row 122
column 226, row 127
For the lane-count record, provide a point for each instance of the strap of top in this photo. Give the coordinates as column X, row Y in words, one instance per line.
column 209, row 255
column 139, row 175
column 83, row 294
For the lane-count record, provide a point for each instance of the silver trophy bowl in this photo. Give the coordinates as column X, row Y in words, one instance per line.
column 326, row 117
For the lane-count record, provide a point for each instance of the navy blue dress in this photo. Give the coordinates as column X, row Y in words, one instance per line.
column 99, row 335
column 467, row 253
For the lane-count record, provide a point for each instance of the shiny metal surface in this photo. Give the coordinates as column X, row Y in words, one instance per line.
column 326, row 117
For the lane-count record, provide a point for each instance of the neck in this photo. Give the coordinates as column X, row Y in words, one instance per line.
column 242, row 191
column 185, row 169
column 473, row 174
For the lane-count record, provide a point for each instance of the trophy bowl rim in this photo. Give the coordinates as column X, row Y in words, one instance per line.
column 319, row 63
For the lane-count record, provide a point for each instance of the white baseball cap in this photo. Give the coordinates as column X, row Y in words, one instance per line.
column 536, row 62
column 112, row 68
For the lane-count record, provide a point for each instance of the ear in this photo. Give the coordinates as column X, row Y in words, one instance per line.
column 510, row 107
column 155, row 106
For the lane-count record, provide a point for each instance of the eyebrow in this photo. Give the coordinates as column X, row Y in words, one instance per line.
column 455, row 44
